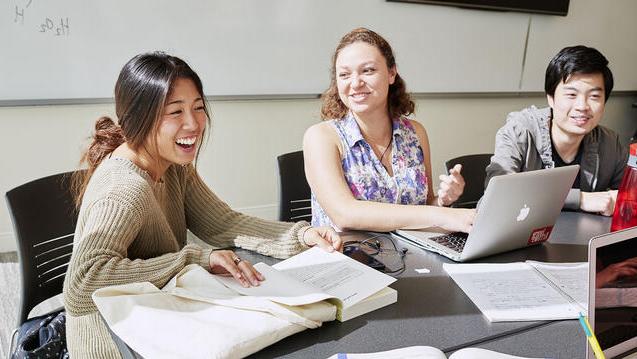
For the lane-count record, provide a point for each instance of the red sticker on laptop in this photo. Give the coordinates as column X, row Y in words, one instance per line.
column 540, row 235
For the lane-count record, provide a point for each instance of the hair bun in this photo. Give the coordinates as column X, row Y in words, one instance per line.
column 108, row 136
column 106, row 129
column 104, row 123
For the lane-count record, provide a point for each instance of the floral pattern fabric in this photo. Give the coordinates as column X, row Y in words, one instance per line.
column 368, row 179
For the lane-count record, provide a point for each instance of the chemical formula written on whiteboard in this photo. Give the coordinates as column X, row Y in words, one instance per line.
column 25, row 14
column 56, row 27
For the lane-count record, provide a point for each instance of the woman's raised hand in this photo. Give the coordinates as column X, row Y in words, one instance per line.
column 451, row 186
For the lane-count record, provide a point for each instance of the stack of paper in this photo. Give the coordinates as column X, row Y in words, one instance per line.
column 526, row 291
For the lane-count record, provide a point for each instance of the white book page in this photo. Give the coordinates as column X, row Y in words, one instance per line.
column 479, row 353
column 335, row 274
column 510, row 292
column 278, row 287
column 416, row 352
column 571, row 278
column 426, row 352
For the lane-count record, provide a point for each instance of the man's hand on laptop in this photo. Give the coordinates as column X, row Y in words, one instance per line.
column 598, row 202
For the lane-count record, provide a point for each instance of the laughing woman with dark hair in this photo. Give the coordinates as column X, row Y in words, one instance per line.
column 141, row 193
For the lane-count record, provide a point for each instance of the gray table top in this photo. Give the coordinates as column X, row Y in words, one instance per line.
column 433, row 310
column 557, row 339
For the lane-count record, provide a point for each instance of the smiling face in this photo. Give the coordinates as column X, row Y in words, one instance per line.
column 181, row 124
column 578, row 104
column 363, row 79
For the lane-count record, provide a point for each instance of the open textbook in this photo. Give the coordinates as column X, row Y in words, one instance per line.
column 203, row 315
column 316, row 275
column 426, row 352
column 524, row 291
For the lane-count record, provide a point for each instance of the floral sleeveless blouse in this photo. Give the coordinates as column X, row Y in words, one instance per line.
column 365, row 175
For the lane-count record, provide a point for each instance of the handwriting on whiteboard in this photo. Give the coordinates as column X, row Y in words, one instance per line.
column 57, row 27
column 26, row 14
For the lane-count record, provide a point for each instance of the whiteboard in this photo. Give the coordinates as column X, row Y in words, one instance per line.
column 74, row 49
column 609, row 26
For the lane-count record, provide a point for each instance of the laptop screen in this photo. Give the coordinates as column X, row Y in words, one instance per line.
column 615, row 291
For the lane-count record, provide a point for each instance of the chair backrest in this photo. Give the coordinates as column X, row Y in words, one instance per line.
column 44, row 221
column 294, row 192
column 473, row 171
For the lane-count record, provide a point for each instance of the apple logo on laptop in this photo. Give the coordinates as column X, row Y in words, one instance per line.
column 524, row 212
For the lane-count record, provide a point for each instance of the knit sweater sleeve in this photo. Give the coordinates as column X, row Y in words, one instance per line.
column 212, row 220
column 99, row 258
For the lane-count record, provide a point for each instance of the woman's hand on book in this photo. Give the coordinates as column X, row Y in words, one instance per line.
column 227, row 262
column 323, row 237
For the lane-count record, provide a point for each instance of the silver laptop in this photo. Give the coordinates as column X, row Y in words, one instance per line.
column 612, row 293
column 517, row 210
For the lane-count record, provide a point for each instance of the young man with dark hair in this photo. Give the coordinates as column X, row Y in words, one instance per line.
column 578, row 83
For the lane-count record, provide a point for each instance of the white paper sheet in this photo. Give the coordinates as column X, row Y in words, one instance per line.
column 278, row 287
column 512, row 292
column 416, row 352
column 571, row 278
column 335, row 274
column 426, row 352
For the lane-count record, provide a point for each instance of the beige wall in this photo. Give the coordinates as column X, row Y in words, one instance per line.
column 239, row 160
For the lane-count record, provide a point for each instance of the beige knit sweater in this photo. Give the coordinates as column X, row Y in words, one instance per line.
column 131, row 229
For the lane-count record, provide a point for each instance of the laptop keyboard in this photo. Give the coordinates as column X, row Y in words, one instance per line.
column 454, row 240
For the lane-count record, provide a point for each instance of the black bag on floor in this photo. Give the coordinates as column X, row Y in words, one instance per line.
column 42, row 337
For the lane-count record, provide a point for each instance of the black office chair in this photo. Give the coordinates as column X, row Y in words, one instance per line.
column 44, row 218
column 294, row 192
column 473, row 171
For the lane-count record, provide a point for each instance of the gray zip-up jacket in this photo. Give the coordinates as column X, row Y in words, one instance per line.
column 524, row 144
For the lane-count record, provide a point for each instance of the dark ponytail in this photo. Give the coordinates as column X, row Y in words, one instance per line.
column 107, row 137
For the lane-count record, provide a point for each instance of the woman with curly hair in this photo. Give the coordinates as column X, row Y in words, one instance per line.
column 368, row 165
